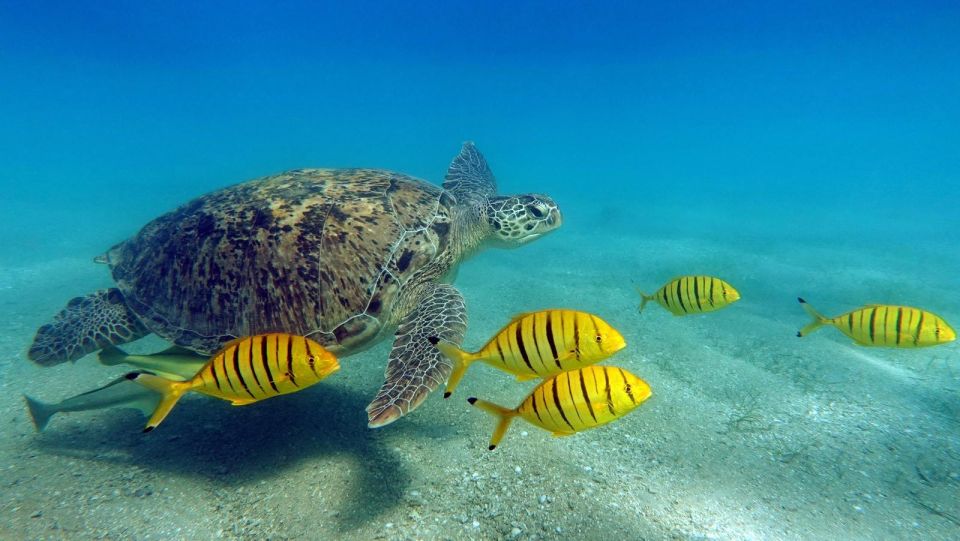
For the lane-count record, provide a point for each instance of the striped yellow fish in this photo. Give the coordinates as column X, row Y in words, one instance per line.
column 573, row 401
column 539, row 344
column 692, row 295
column 248, row 370
column 885, row 325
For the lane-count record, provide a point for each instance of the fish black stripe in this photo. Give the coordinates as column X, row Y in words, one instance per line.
column 523, row 350
column 236, row 368
column 873, row 323
column 310, row 360
column 696, row 292
column 536, row 343
column 850, row 322
column 266, row 364
column 550, row 340
column 556, row 401
column 679, row 298
column 712, row 281
column 226, row 373
column 899, row 323
column 666, row 299
column 213, row 371
column 606, row 383
column 586, row 397
column 263, row 353
column 500, row 350
column 916, row 335
column 536, row 410
column 885, row 334
column 250, row 363
column 627, row 385
column 576, row 335
column 572, row 401
column 290, row 360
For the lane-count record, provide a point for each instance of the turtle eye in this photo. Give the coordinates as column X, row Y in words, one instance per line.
column 536, row 211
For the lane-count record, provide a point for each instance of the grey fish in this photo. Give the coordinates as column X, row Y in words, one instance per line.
column 119, row 393
column 175, row 363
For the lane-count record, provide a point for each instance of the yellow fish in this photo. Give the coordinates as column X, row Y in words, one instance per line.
column 573, row 401
column 692, row 295
column 885, row 325
column 539, row 344
column 248, row 370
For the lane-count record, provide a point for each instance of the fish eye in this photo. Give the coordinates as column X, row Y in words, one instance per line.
column 628, row 388
column 599, row 338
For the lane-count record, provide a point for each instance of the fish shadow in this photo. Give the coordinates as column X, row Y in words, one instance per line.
column 234, row 446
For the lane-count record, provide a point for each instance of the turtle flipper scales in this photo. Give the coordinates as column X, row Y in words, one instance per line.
column 416, row 366
column 85, row 325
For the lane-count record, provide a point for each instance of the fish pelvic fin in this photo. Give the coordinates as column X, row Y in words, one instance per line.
column 505, row 417
column 819, row 320
column 644, row 299
column 461, row 360
column 40, row 412
column 170, row 391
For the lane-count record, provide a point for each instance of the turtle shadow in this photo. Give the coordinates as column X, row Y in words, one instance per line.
column 228, row 447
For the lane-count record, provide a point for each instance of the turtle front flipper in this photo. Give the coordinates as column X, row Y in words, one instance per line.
column 87, row 324
column 416, row 366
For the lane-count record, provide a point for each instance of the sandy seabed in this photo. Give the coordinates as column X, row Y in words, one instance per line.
column 751, row 433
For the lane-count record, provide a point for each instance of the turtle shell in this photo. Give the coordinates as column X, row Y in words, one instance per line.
column 318, row 252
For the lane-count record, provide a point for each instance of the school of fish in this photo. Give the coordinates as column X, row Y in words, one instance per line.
column 559, row 346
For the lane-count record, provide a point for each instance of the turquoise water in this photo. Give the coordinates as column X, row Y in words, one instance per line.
column 793, row 150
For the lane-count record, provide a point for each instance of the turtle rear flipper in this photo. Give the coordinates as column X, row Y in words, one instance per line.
column 416, row 366
column 85, row 325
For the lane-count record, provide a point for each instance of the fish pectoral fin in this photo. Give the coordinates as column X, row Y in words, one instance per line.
column 242, row 401
column 526, row 377
column 562, row 434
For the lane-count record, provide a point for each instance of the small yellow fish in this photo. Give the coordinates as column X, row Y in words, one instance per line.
column 539, row 344
column 573, row 401
column 692, row 295
column 885, row 325
column 248, row 370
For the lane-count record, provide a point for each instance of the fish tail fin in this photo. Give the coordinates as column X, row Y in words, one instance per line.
column 819, row 320
column 461, row 360
column 112, row 356
column 505, row 417
column 170, row 392
column 40, row 412
column 644, row 299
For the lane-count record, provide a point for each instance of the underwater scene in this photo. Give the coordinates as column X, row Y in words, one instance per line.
column 480, row 270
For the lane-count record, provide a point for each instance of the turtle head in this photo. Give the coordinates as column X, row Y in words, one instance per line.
column 518, row 219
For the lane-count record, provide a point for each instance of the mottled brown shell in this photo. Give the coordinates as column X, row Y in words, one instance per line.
column 318, row 252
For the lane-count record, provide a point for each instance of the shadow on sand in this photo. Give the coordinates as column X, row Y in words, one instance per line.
column 230, row 446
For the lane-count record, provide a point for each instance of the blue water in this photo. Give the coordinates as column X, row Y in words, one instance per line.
column 802, row 133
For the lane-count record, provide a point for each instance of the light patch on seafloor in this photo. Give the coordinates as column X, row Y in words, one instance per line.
column 880, row 364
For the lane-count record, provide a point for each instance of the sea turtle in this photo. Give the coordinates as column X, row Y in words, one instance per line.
column 344, row 256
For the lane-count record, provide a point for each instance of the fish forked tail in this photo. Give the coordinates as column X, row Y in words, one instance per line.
column 505, row 417
column 819, row 320
column 461, row 360
column 40, row 412
column 645, row 299
column 171, row 391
